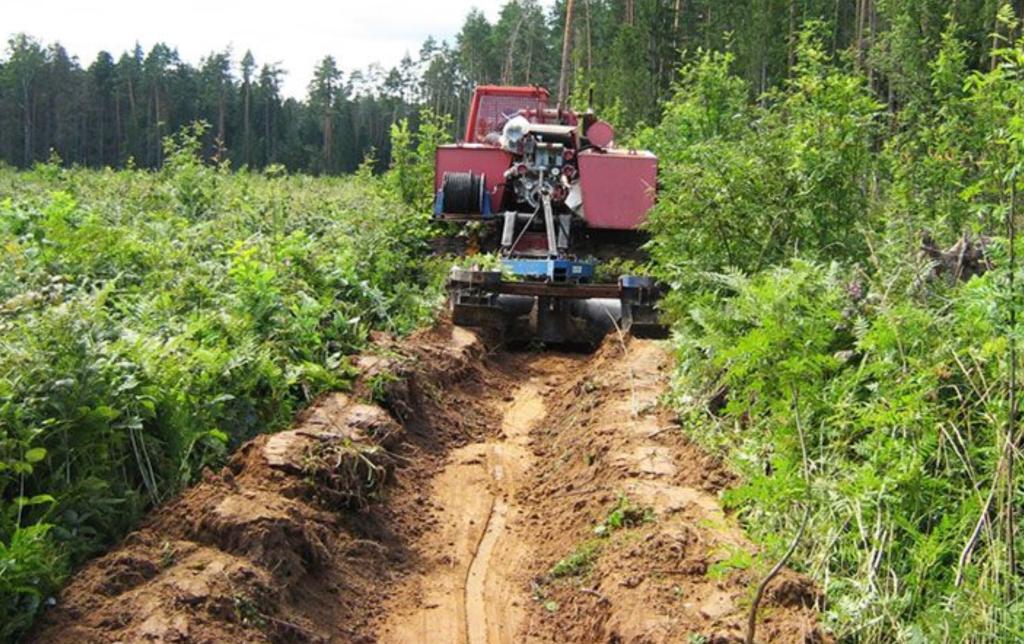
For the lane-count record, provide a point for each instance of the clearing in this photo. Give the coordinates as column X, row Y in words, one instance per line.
column 489, row 497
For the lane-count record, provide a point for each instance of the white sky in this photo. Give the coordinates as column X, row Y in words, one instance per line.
column 296, row 33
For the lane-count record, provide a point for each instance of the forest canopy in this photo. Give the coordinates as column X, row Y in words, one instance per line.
column 116, row 109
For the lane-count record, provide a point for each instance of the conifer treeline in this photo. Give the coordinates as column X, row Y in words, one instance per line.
column 115, row 110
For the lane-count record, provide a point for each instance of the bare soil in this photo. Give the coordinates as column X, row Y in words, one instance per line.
column 440, row 513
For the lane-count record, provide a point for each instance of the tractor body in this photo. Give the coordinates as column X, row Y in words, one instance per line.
column 549, row 192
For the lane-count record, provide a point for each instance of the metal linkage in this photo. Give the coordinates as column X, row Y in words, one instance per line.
column 484, row 298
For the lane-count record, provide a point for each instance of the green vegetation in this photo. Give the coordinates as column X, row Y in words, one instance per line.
column 791, row 229
column 151, row 322
column 623, row 515
column 579, row 561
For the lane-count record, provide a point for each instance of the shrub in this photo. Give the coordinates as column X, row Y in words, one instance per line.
column 745, row 186
column 903, row 417
column 792, row 233
column 150, row 322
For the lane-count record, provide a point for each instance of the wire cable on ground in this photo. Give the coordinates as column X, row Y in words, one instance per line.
column 752, row 617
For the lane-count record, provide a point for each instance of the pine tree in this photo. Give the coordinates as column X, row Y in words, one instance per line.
column 324, row 91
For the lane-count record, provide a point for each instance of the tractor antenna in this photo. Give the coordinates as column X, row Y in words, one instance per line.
column 563, row 79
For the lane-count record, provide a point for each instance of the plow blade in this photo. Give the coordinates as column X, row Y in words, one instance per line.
column 554, row 313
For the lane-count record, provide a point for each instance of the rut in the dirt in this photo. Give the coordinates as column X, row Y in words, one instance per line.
column 487, row 469
column 514, row 556
column 471, row 588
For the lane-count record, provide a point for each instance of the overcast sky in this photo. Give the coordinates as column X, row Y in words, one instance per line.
column 296, row 33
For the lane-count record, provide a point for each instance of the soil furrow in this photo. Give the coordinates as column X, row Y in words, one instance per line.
column 492, row 600
column 516, row 497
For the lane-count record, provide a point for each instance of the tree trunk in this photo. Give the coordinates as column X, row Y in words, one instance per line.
column 102, row 133
column 835, row 29
column 707, row 28
column 791, row 45
column 676, row 20
column 563, row 79
column 872, row 26
column 26, row 94
column 119, row 130
column 861, row 22
column 158, row 142
column 247, row 125
column 1019, row 12
column 268, row 145
column 590, row 51
column 995, row 39
column 506, row 69
column 131, row 100
column 328, row 140
column 221, row 119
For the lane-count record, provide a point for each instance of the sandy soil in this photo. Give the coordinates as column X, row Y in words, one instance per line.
column 473, row 589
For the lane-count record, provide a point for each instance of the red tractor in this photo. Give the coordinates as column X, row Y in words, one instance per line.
column 556, row 195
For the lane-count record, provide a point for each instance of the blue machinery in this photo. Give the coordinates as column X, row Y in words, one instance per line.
column 553, row 300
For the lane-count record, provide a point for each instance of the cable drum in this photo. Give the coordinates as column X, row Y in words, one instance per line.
column 462, row 193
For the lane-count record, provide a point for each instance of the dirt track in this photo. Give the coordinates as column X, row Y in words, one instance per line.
column 472, row 592
column 441, row 518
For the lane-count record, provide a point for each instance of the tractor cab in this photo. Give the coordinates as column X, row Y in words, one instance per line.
column 494, row 105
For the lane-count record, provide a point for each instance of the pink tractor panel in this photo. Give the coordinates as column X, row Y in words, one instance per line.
column 489, row 161
column 618, row 187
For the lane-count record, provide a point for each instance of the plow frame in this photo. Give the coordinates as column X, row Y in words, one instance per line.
column 556, row 312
